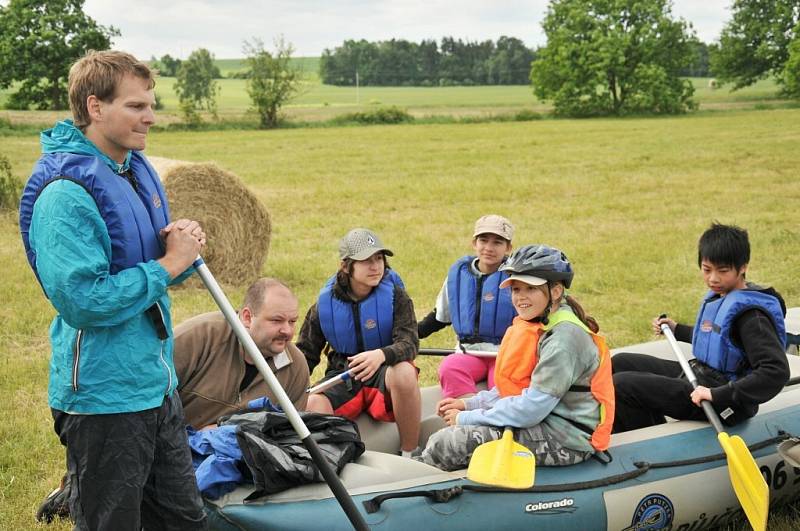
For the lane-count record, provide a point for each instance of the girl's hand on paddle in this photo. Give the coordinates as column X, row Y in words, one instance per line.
column 658, row 321
column 446, row 404
column 451, row 417
column 364, row 365
column 699, row 394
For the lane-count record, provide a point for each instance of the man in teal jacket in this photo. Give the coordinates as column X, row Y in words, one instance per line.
column 96, row 228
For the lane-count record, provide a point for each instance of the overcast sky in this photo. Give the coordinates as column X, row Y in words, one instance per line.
column 155, row 27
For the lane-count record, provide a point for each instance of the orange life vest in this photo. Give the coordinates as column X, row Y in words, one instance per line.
column 519, row 354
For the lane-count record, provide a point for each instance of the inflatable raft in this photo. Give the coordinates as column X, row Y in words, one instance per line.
column 673, row 476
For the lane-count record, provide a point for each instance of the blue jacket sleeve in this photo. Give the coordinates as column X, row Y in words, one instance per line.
column 73, row 257
column 483, row 400
column 519, row 411
column 183, row 276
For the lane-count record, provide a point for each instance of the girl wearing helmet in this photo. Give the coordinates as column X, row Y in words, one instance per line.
column 552, row 377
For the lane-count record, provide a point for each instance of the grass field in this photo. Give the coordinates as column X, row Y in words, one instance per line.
column 625, row 199
column 318, row 102
column 308, row 65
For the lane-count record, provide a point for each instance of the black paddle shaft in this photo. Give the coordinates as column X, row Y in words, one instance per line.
column 711, row 414
column 335, row 484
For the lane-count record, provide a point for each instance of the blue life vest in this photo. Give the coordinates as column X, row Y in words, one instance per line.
column 711, row 340
column 478, row 317
column 375, row 316
column 134, row 218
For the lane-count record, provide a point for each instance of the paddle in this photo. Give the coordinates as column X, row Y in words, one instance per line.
column 335, row 484
column 504, row 463
column 748, row 483
column 330, row 382
column 448, row 351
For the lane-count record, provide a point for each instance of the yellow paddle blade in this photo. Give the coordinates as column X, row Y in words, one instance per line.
column 503, row 463
column 747, row 481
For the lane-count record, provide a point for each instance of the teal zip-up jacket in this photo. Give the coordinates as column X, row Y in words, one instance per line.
column 106, row 354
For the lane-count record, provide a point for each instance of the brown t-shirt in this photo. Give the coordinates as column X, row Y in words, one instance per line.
column 210, row 364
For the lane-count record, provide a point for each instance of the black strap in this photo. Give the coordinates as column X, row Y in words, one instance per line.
column 131, row 178
column 605, row 459
column 157, row 318
column 438, row 496
column 580, row 388
column 374, row 504
column 578, row 425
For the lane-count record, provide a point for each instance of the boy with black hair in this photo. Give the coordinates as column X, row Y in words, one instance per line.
column 738, row 341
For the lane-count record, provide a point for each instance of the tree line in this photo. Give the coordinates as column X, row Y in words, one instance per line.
column 602, row 57
column 399, row 62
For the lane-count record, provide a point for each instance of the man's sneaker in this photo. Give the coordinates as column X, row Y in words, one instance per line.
column 56, row 504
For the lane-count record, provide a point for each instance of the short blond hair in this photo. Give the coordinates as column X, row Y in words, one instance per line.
column 99, row 74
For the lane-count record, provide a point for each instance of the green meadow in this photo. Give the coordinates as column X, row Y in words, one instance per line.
column 316, row 102
column 625, row 199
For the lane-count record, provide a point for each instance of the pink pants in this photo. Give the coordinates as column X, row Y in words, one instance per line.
column 458, row 374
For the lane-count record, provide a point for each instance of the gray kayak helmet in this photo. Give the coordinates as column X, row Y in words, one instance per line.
column 540, row 261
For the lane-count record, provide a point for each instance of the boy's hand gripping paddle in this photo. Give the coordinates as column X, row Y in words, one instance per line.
column 748, row 483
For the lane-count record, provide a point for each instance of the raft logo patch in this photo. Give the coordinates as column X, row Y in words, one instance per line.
column 564, row 505
column 370, row 324
column 156, row 200
column 655, row 511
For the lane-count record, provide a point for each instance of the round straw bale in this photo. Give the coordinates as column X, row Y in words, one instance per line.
column 237, row 225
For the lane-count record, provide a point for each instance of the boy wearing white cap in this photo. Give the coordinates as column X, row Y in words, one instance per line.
column 365, row 321
column 472, row 301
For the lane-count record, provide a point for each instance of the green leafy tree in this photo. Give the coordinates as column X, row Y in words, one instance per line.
column 699, row 66
column 613, row 57
column 10, row 186
column 755, row 43
column 511, row 62
column 166, row 66
column 272, row 81
column 39, row 41
column 196, row 85
column 170, row 65
column 791, row 70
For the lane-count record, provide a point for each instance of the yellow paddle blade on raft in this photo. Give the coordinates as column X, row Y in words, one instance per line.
column 747, row 481
column 503, row 463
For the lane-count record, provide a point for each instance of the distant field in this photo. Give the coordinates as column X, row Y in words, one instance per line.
column 322, row 102
column 309, row 65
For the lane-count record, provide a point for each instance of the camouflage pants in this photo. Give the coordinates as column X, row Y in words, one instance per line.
column 451, row 448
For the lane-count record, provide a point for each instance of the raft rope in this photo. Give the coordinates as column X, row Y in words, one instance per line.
column 445, row 495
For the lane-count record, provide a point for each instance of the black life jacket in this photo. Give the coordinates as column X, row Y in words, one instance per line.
column 277, row 458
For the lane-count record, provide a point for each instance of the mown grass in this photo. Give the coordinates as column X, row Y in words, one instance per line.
column 318, row 103
column 625, row 199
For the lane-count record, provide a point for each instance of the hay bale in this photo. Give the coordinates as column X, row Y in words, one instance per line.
column 237, row 225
